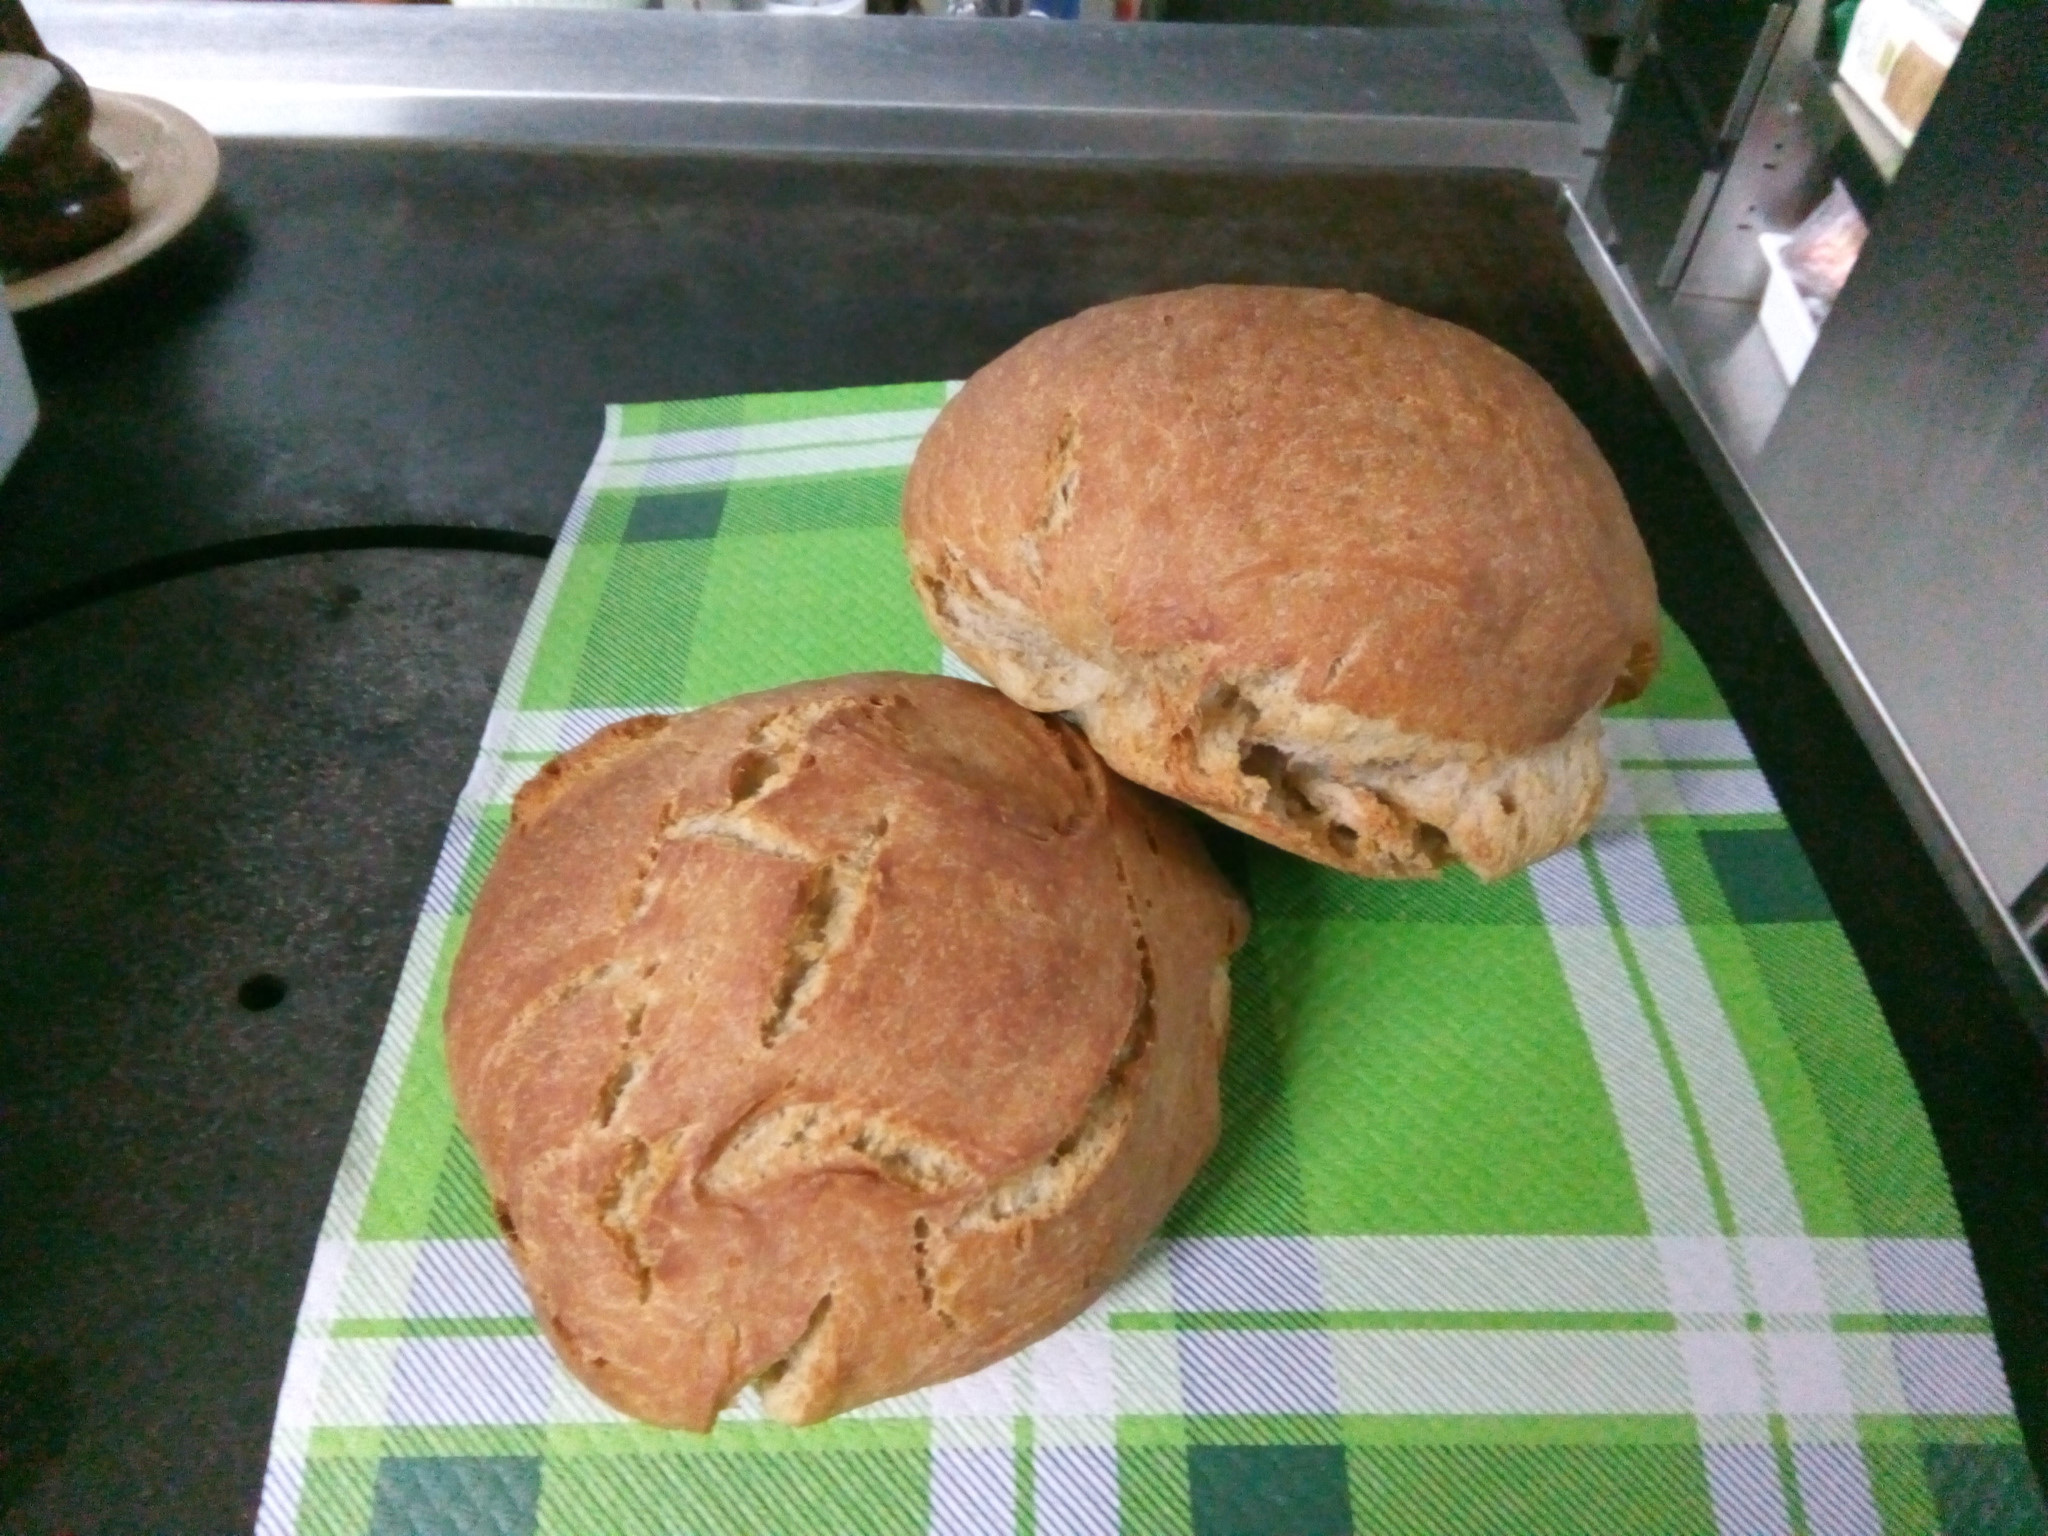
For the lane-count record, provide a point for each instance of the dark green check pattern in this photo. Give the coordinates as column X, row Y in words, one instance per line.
column 1597, row 1200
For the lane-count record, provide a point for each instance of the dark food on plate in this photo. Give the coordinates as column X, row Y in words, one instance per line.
column 60, row 195
column 839, row 1039
column 1348, row 578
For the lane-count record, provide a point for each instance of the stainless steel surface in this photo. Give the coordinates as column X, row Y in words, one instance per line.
column 1721, row 426
column 1910, row 465
column 1773, row 174
column 1466, row 96
column 2031, row 910
column 1751, row 85
column 1689, row 227
column 1590, row 95
column 1737, row 379
column 1678, row 103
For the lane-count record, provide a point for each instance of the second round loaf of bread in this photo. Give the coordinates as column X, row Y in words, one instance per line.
column 837, row 1039
column 1347, row 577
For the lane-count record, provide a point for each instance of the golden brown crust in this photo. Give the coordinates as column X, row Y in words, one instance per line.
column 846, row 1036
column 1382, row 524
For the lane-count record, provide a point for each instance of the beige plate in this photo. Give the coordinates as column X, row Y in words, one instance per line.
column 172, row 165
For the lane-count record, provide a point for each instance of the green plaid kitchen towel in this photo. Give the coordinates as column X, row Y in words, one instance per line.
column 1596, row 1200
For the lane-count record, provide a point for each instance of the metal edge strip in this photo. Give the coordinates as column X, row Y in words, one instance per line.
column 1154, row 94
column 1276, row 141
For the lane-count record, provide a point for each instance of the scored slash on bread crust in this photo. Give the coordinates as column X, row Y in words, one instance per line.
column 838, row 1039
column 1348, row 578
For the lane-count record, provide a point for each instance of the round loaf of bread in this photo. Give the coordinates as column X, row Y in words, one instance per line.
column 838, row 1039
column 1349, row 578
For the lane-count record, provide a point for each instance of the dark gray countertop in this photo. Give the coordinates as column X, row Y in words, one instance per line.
column 249, row 770
column 238, row 774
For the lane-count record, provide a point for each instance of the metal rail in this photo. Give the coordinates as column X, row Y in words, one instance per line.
column 1152, row 94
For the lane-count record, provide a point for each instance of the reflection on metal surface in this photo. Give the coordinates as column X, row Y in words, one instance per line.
column 1689, row 227
column 1910, row 465
column 2032, row 912
column 1894, row 495
column 1277, row 96
column 1739, row 385
column 1721, row 443
column 1773, row 174
column 1751, row 85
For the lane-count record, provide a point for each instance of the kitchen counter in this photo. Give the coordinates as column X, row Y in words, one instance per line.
column 245, row 771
